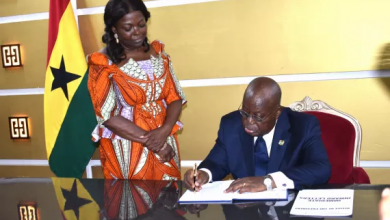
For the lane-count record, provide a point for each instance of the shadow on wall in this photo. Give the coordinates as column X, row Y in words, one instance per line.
column 384, row 64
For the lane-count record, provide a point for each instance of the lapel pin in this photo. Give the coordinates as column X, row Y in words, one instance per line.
column 281, row 142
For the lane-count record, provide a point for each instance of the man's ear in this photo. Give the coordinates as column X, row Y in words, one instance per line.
column 279, row 112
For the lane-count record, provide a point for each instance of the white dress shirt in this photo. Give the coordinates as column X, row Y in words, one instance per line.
column 281, row 180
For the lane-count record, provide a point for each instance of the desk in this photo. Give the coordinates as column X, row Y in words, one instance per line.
column 109, row 199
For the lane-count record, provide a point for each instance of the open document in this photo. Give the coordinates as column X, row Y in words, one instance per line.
column 214, row 193
column 324, row 203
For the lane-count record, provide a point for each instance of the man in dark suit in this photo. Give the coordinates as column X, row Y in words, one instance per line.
column 264, row 146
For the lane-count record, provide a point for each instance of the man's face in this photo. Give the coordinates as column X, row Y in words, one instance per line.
column 259, row 118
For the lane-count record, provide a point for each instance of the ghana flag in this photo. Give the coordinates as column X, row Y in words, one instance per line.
column 68, row 111
column 80, row 199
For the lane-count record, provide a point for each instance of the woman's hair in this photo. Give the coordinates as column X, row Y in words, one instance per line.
column 114, row 11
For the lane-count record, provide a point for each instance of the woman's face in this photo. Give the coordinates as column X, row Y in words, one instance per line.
column 131, row 29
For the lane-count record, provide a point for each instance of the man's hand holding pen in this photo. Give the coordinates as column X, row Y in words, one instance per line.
column 194, row 179
column 195, row 174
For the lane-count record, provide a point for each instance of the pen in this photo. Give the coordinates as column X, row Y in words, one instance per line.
column 195, row 172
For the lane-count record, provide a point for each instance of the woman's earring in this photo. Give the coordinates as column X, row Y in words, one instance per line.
column 116, row 37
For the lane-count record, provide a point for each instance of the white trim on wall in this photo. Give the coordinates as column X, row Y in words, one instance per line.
column 375, row 164
column 26, row 17
column 96, row 10
column 244, row 80
column 23, row 162
column 14, row 92
column 149, row 4
column 184, row 163
column 28, row 180
column 88, row 170
column 288, row 78
column 75, row 12
column 166, row 3
column 190, row 163
column 90, row 11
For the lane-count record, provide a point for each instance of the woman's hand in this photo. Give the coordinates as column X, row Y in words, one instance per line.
column 166, row 153
column 155, row 139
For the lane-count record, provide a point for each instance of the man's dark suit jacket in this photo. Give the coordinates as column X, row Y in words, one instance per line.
column 302, row 157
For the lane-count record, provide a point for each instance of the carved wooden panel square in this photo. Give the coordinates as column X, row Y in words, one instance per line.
column 10, row 55
column 19, row 127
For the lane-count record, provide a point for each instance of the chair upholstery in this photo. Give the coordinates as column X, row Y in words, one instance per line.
column 342, row 136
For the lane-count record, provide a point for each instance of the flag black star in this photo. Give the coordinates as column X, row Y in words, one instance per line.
column 62, row 78
column 73, row 202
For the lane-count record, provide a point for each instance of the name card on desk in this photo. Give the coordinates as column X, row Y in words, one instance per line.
column 214, row 193
column 324, row 203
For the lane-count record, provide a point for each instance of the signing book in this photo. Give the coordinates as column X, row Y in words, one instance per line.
column 214, row 193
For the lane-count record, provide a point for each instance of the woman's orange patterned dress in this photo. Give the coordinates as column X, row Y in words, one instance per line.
column 139, row 91
column 140, row 199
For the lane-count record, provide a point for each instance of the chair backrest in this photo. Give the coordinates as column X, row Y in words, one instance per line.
column 341, row 134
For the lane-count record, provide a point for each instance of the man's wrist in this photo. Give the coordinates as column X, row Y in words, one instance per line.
column 208, row 173
column 282, row 181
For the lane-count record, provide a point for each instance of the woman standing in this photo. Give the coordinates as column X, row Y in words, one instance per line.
column 137, row 98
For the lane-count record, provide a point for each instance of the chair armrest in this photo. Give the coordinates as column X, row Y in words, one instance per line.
column 360, row 176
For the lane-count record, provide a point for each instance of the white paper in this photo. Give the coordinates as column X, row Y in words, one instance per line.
column 214, row 193
column 324, row 203
column 210, row 192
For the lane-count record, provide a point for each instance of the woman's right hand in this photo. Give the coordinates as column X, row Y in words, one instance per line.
column 166, row 153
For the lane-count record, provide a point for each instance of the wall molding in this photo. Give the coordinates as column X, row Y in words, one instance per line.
column 375, row 164
column 88, row 170
column 23, row 18
column 184, row 163
column 96, row 10
column 243, row 80
column 28, row 180
column 305, row 77
column 149, row 4
column 16, row 92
